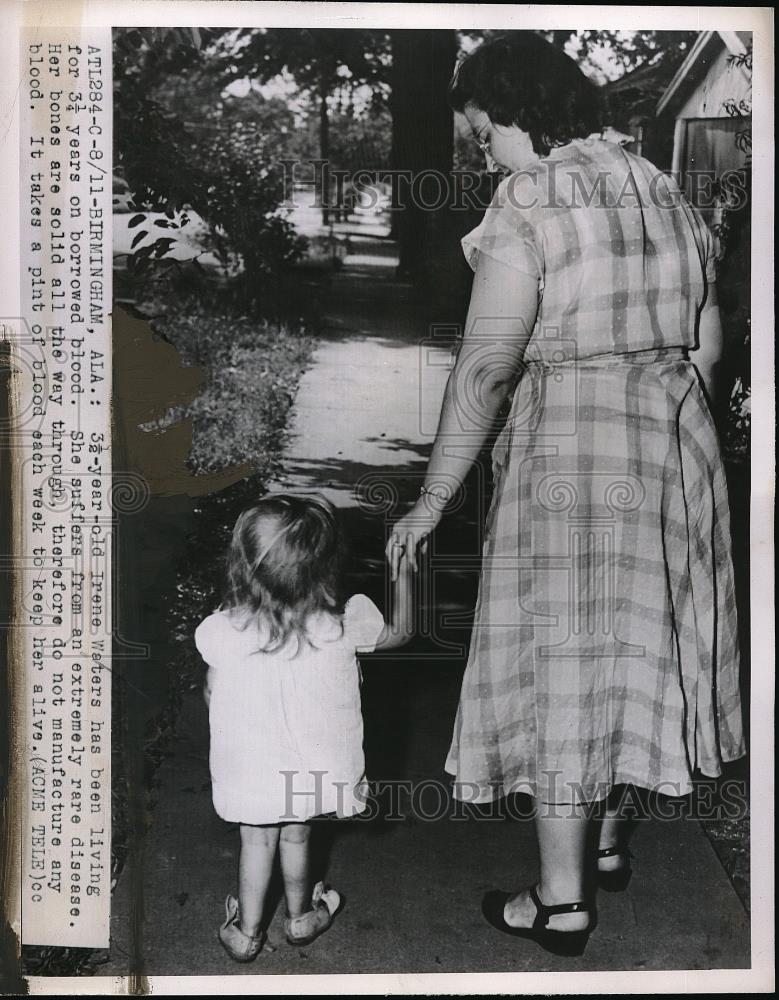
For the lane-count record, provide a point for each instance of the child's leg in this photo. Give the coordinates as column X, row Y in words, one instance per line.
column 258, row 851
column 294, row 854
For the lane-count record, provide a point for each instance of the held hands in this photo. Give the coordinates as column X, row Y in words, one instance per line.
column 409, row 534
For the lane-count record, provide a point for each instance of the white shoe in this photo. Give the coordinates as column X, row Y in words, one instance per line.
column 304, row 929
column 239, row 946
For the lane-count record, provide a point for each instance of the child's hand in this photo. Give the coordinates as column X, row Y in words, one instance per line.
column 400, row 627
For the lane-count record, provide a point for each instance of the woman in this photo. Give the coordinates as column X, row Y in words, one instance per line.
column 604, row 647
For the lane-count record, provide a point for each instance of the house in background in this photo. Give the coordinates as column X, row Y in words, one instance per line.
column 631, row 104
column 709, row 99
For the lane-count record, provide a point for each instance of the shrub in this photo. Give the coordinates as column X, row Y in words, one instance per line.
column 222, row 172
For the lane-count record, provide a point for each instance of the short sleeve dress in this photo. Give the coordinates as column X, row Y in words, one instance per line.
column 286, row 730
column 604, row 648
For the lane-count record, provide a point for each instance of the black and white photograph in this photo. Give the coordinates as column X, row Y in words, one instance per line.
column 434, row 579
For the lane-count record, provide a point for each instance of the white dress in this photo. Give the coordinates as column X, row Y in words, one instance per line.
column 286, row 730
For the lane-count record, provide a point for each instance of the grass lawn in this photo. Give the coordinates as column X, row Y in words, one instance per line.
column 253, row 366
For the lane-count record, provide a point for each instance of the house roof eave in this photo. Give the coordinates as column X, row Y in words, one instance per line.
column 733, row 42
column 729, row 39
column 699, row 47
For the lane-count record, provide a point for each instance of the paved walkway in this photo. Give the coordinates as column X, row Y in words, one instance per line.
column 370, row 402
column 363, row 425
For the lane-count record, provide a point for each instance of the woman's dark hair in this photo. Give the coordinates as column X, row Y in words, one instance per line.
column 284, row 565
column 521, row 79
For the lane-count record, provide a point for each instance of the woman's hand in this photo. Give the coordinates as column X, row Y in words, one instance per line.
column 411, row 531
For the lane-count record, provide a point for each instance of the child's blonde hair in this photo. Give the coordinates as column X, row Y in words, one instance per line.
column 284, row 565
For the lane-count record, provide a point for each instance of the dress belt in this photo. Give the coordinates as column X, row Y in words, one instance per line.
column 663, row 355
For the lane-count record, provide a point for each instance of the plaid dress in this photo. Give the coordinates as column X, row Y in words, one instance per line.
column 604, row 649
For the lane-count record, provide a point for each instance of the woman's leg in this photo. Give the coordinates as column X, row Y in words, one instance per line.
column 294, row 852
column 562, row 836
column 612, row 834
column 258, row 851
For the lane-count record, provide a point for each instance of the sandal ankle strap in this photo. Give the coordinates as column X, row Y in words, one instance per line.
column 544, row 912
column 611, row 852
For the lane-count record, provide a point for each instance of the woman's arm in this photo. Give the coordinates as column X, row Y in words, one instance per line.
column 501, row 315
column 708, row 355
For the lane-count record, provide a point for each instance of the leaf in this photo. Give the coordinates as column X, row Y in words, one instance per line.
column 138, row 237
column 135, row 221
column 162, row 246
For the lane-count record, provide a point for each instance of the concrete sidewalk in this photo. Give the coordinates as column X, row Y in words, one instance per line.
column 364, row 422
column 412, row 886
column 369, row 404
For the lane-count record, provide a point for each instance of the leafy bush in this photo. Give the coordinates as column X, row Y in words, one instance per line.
column 255, row 366
column 734, row 275
column 222, row 171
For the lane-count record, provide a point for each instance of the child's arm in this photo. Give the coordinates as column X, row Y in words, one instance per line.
column 400, row 627
column 208, row 685
column 207, row 644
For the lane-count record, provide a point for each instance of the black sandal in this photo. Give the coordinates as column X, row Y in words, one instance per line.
column 617, row 879
column 557, row 942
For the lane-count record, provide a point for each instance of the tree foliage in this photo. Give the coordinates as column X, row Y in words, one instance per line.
column 325, row 63
column 321, row 60
column 178, row 154
column 628, row 50
column 358, row 141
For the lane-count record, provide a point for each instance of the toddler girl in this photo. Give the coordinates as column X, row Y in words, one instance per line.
column 284, row 705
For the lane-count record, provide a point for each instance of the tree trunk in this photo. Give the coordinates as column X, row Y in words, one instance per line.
column 422, row 143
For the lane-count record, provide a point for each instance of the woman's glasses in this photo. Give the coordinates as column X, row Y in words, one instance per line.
column 481, row 142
